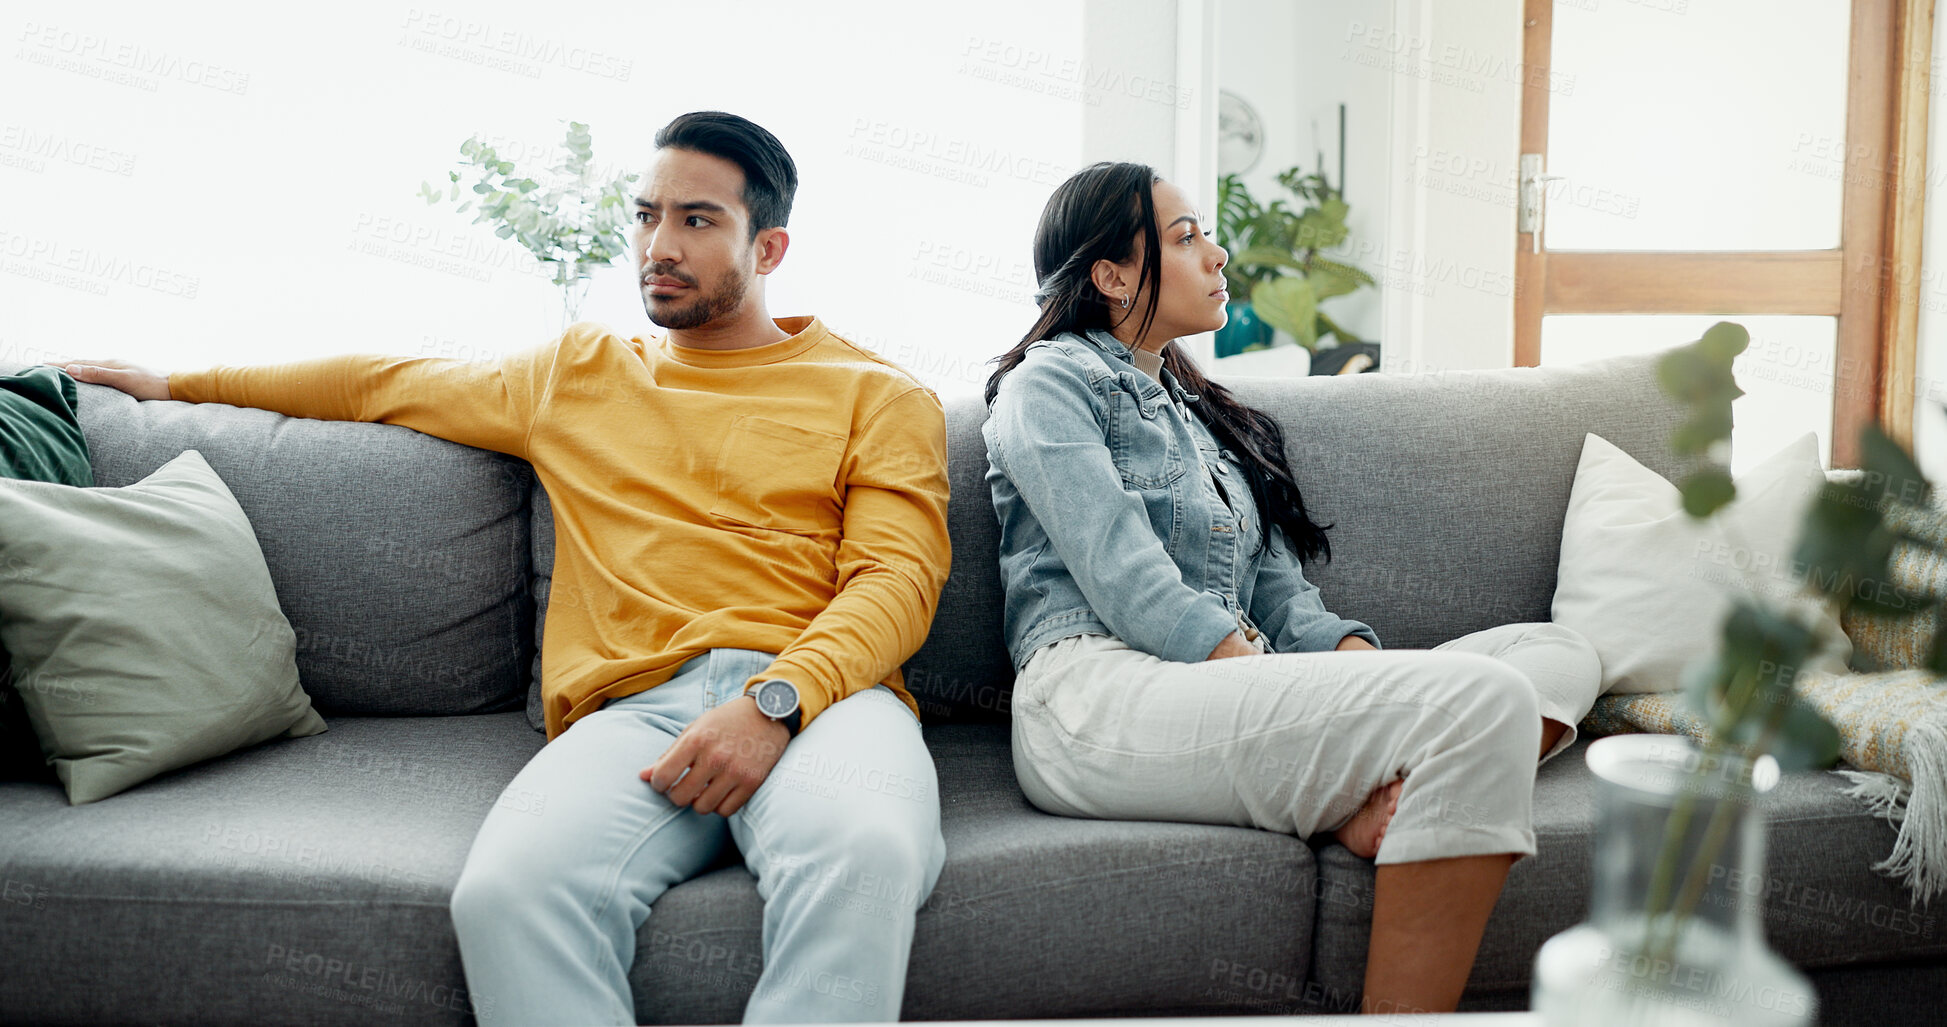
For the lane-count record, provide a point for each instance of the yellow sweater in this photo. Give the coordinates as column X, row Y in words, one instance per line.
column 789, row 498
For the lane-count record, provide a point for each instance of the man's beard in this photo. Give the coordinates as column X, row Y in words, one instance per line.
column 701, row 311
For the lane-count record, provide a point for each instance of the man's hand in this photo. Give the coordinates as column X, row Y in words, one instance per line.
column 1353, row 643
column 139, row 382
column 727, row 752
column 1233, row 644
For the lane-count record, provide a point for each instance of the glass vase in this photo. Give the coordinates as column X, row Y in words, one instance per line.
column 1675, row 931
column 571, row 280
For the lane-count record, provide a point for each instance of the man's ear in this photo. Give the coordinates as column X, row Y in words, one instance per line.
column 770, row 245
column 1113, row 280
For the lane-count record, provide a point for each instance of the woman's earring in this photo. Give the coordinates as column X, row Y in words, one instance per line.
column 1125, row 303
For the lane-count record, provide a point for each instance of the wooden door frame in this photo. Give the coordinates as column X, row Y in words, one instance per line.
column 1905, row 222
column 1870, row 282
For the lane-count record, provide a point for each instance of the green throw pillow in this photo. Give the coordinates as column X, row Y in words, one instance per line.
column 40, row 434
column 40, row 440
column 144, row 628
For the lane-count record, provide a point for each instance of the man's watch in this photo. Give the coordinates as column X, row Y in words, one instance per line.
column 778, row 700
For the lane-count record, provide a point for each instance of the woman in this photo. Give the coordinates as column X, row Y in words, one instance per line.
column 1173, row 662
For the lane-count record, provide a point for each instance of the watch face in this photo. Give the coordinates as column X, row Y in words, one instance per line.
column 777, row 698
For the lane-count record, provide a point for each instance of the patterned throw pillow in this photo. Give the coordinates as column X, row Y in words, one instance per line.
column 1900, row 643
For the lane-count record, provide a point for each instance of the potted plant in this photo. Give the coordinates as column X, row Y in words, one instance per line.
column 569, row 220
column 1276, row 274
column 1675, row 931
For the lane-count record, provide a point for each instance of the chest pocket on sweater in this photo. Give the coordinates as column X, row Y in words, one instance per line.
column 771, row 474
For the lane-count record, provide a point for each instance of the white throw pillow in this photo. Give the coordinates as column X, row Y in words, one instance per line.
column 1649, row 585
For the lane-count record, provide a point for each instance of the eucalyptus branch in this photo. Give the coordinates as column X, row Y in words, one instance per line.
column 1716, row 834
column 570, row 217
column 1848, row 536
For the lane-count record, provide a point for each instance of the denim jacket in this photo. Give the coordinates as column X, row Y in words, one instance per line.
column 1111, row 521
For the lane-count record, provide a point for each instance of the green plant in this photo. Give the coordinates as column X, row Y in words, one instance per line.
column 567, row 218
column 1274, row 254
column 1746, row 690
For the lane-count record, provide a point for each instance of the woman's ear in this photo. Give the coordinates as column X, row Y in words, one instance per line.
column 1113, row 280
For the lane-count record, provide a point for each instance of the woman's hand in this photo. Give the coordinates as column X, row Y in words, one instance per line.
column 139, row 382
column 1233, row 645
column 1353, row 643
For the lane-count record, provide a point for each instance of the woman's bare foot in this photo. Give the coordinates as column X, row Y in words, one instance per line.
column 1367, row 828
column 1551, row 732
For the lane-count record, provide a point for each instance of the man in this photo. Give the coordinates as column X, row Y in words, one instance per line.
column 751, row 538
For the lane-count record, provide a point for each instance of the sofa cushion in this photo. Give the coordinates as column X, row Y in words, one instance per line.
column 307, row 881
column 304, row 881
column 399, row 558
column 148, row 636
column 1033, row 914
column 1824, row 905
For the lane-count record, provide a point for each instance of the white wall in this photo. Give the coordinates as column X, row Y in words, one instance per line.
column 1130, row 52
column 1152, row 66
column 1449, row 255
column 1262, row 49
column 237, row 183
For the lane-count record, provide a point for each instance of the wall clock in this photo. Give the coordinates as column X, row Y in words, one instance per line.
column 1240, row 134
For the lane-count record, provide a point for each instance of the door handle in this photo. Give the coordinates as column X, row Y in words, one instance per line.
column 1528, row 213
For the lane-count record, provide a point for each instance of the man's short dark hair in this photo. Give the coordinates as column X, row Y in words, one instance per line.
column 770, row 178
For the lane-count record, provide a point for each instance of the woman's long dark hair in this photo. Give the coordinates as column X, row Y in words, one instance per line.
column 1098, row 214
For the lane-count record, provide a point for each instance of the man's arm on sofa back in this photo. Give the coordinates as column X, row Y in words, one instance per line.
column 489, row 404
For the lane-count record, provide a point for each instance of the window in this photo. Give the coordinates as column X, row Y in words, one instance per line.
column 1768, row 172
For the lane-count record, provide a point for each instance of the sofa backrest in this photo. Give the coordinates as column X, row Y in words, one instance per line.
column 400, row 559
column 415, row 571
column 962, row 672
column 1445, row 491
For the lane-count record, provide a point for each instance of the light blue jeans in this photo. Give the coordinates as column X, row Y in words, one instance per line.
column 843, row 838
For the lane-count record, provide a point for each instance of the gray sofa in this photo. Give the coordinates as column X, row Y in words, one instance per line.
column 305, row 881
